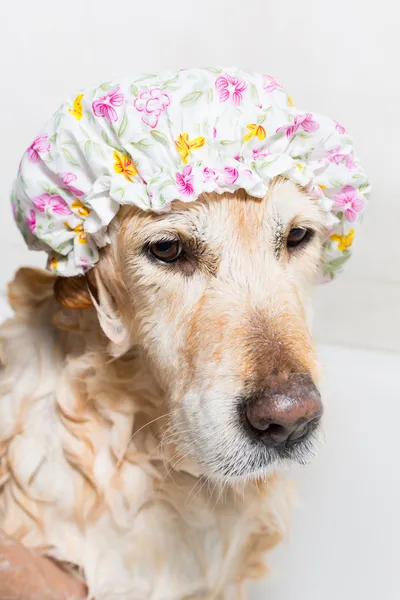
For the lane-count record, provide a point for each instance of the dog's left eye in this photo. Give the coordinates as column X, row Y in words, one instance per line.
column 297, row 236
column 166, row 251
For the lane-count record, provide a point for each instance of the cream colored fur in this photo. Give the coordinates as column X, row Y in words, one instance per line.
column 119, row 452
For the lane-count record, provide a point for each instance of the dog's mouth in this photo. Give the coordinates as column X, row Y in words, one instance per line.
column 238, row 455
column 257, row 459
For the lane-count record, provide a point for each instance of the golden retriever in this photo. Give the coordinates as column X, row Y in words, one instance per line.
column 147, row 409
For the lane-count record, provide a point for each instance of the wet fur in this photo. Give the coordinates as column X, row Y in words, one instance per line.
column 122, row 452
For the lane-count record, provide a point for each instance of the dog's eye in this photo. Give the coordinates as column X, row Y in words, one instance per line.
column 297, row 236
column 166, row 251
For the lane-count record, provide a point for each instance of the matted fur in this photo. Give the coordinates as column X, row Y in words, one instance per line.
column 120, row 454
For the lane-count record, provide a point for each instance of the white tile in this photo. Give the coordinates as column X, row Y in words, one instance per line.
column 344, row 539
column 358, row 313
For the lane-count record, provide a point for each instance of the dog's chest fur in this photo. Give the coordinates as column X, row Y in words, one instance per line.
column 87, row 478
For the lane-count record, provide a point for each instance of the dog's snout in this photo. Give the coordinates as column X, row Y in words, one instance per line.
column 285, row 411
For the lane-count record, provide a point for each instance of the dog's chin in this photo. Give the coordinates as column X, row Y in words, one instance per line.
column 248, row 460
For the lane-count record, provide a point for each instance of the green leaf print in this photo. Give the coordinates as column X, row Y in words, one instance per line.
column 88, row 148
column 107, row 141
column 123, row 126
column 210, row 95
column 69, row 157
column 45, row 186
column 169, row 84
column 227, row 142
column 57, row 118
column 85, row 133
column 336, row 183
column 133, row 89
column 105, row 138
column 191, row 98
column 266, row 164
column 53, row 138
column 142, row 145
column 107, row 86
column 90, row 117
column 98, row 149
column 146, row 76
column 214, row 71
column 261, row 119
column 254, row 94
column 335, row 264
column 155, row 179
column 166, row 184
column 159, row 137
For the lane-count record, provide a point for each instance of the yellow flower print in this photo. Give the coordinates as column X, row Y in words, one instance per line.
column 77, row 110
column 82, row 237
column 80, row 209
column 185, row 146
column 124, row 166
column 290, row 100
column 344, row 241
column 255, row 131
column 53, row 264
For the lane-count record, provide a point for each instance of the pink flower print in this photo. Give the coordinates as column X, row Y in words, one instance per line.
column 214, row 133
column 67, row 178
column 349, row 202
column 152, row 103
column 340, row 128
column 229, row 87
column 39, row 144
column 53, row 204
column 348, row 160
column 258, row 154
column 305, row 122
column 105, row 106
column 335, row 156
column 31, row 220
column 231, row 175
column 209, row 174
column 184, row 181
column 270, row 84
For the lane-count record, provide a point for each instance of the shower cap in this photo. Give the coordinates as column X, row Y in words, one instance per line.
column 156, row 138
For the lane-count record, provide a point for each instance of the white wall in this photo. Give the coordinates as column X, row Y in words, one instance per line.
column 339, row 58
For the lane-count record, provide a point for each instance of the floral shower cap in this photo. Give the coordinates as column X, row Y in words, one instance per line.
column 153, row 139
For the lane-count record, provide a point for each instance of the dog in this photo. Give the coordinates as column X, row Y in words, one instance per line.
column 149, row 408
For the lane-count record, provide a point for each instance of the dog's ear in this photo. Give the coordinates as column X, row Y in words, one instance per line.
column 102, row 288
column 109, row 299
column 74, row 292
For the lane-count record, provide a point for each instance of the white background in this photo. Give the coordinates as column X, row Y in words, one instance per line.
column 339, row 58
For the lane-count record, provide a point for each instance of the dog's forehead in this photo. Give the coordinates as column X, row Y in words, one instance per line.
column 212, row 215
column 236, row 217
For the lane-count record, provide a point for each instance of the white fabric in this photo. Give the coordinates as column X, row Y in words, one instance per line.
column 154, row 139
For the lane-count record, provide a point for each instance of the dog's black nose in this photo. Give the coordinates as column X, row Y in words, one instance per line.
column 286, row 411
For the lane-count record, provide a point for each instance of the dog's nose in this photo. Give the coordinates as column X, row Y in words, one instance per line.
column 286, row 411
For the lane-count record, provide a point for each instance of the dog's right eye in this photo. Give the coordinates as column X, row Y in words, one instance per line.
column 166, row 251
